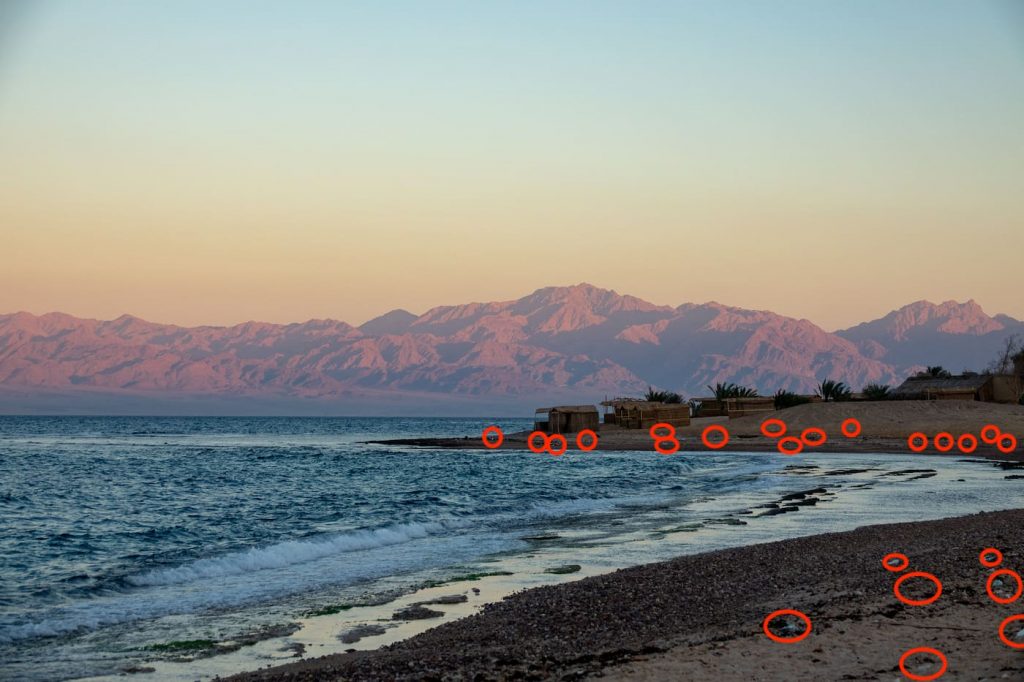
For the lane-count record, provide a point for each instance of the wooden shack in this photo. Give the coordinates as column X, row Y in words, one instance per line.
column 565, row 419
column 739, row 407
column 735, row 407
column 642, row 414
column 989, row 388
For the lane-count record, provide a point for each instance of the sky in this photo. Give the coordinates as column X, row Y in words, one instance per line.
column 211, row 163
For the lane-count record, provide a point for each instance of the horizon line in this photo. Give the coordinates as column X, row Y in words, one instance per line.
column 222, row 325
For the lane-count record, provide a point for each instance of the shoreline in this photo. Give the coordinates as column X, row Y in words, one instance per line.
column 829, row 496
column 885, row 428
column 589, row 515
column 700, row 615
column 754, row 444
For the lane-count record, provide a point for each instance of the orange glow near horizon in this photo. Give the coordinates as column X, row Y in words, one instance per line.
column 191, row 167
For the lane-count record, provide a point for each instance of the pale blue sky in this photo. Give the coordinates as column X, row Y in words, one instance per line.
column 221, row 161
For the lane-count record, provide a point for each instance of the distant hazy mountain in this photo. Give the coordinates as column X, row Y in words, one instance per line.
column 557, row 343
column 395, row 322
column 955, row 335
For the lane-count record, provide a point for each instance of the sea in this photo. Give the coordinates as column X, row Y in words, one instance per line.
column 139, row 546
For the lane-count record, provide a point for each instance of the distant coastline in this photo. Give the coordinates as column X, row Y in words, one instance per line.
column 885, row 428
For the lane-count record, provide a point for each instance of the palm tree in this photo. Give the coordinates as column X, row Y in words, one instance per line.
column 695, row 407
column 876, row 392
column 936, row 372
column 833, row 391
column 724, row 391
column 662, row 396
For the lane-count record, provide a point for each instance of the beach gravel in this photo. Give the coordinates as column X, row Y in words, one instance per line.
column 699, row 616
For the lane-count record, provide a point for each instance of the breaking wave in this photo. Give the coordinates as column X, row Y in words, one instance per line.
column 290, row 553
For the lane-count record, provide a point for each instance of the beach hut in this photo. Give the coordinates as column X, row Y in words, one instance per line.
column 735, row 407
column 739, row 407
column 565, row 419
column 642, row 414
column 989, row 388
column 710, row 407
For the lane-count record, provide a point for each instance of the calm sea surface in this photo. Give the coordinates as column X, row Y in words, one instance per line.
column 118, row 535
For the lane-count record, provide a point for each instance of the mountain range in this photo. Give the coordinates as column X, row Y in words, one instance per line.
column 578, row 344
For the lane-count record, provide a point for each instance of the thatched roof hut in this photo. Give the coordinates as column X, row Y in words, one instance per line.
column 735, row 407
column 642, row 414
column 990, row 388
column 565, row 419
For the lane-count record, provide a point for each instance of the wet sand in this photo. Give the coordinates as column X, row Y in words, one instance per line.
column 700, row 616
column 885, row 427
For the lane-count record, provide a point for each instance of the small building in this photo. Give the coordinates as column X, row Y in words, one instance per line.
column 735, row 407
column 739, row 407
column 643, row 414
column 989, row 388
column 565, row 419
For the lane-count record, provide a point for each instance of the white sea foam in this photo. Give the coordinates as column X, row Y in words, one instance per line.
column 583, row 505
column 294, row 552
column 290, row 553
column 218, row 583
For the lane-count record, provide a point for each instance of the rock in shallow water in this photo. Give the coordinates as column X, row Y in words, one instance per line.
column 416, row 613
column 446, row 599
column 360, row 631
column 559, row 570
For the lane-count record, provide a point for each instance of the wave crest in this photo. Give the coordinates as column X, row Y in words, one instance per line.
column 288, row 553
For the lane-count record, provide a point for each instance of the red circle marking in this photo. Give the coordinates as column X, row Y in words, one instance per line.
column 923, row 650
column 895, row 555
column 967, row 443
column 496, row 443
column 532, row 437
column 551, row 439
column 820, row 440
column 672, row 449
column 947, row 441
column 720, row 444
column 790, row 439
column 579, row 440
column 773, row 434
column 1016, row 595
column 1002, row 631
column 786, row 640
column 850, row 433
column 990, row 434
column 1008, row 438
column 917, row 602
column 990, row 564
column 917, row 435
column 662, row 425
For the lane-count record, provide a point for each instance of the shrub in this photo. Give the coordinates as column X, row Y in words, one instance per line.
column 876, row 392
column 784, row 399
